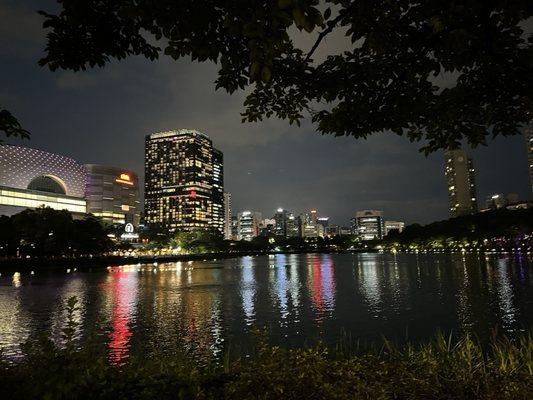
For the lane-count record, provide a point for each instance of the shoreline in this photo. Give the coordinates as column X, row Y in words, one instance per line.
column 102, row 262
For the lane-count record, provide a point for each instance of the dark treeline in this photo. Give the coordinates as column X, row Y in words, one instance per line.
column 501, row 229
column 45, row 232
column 205, row 241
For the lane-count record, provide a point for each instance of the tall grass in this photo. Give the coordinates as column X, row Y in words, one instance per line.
column 444, row 368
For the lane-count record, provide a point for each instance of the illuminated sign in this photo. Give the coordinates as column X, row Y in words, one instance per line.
column 193, row 194
column 124, row 178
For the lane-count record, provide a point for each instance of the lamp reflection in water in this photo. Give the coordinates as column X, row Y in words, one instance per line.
column 505, row 296
column 121, row 287
column 321, row 284
column 248, row 289
column 369, row 280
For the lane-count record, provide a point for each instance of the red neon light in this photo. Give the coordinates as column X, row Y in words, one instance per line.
column 193, row 194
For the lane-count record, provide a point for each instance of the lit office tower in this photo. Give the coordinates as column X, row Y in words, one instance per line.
column 112, row 194
column 183, row 181
column 369, row 224
column 460, row 177
column 217, row 215
column 280, row 218
column 528, row 133
column 248, row 225
column 227, row 216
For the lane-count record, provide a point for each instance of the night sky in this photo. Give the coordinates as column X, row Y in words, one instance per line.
column 102, row 116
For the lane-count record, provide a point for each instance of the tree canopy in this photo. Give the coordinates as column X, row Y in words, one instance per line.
column 387, row 79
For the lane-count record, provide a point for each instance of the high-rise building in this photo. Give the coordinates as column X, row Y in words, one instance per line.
column 460, row 176
column 280, row 218
column 292, row 226
column 248, row 227
column 307, row 224
column 112, row 194
column 234, row 227
column 267, row 227
column 394, row 226
column 324, row 221
column 183, row 181
column 369, row 224
column 227, row 216
column 528, row 134
column 217, row 194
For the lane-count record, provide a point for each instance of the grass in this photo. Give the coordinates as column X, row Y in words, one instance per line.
column 441, row 369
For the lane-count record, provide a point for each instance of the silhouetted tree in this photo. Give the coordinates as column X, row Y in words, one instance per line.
column 385, row 80
column 10, row 126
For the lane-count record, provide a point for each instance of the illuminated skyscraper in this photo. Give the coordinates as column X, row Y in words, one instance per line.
column 227, row 216
column 460, row 176
column 280, row 218
column 217, row 215
column 184, row 187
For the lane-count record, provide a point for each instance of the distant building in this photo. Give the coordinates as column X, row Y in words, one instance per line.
column 369, row 224
column 528, row 134
column 248, row 225
column 292, row 226
column 31, row 178
column 324, row 221
column 227, row 216
column 391, row 226
column 280, row 219
column 307, row 224
column 460, row 176
column 113, row 194
column 499, row 200
column 234, row 227
column 267, row 227
column 332, row 230
column 345, row 231
column 183, row 181
column 217, row 192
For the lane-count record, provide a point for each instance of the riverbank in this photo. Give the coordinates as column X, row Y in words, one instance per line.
column 100, row 262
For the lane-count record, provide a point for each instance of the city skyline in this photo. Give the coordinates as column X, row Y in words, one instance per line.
column 103, row 116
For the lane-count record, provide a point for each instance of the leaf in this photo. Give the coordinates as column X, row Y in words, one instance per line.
column 283, row 4
column 266, row 74
column 299, row 18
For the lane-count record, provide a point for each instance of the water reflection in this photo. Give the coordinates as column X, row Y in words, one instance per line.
column 202, row 306
column 121, row 291
column 321, row 284
column 248, row 289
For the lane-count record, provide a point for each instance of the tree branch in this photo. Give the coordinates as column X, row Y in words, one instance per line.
column 331, row 24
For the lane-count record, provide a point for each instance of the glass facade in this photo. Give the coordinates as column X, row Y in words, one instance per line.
column 113, row 194
column 183, row 181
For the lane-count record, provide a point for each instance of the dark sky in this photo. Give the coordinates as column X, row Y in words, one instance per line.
column 103, row 115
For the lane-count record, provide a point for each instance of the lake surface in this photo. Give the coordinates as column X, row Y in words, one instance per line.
column 207, row 306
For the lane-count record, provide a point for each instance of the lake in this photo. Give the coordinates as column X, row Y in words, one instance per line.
column 298, row 299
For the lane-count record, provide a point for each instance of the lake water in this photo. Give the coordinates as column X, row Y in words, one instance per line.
column 298, row 299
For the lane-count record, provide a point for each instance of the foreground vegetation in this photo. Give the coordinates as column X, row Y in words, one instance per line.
column 441, row 369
